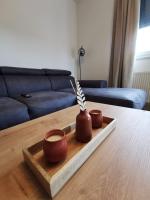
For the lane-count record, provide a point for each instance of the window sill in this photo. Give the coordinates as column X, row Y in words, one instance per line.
column 144, row 55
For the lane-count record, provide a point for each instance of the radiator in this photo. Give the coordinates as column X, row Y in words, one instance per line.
column 142, row 80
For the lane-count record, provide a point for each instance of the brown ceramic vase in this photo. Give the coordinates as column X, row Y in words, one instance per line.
column 83, row 127
column 97, row 118
column 55, row 150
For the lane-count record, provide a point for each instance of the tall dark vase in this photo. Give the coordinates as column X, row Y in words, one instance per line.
column 83, row 127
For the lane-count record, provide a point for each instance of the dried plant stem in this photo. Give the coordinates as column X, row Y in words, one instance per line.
column 80, row 95
column 73, row 87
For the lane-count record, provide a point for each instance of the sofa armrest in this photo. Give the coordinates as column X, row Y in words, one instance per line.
column 93, row 83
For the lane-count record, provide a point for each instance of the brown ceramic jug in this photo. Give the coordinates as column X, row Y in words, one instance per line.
column 55, row 146
column 97, row 118
column 83, row 126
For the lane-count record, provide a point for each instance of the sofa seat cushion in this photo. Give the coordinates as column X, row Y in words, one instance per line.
column 45, row 102
column 70, row 90
column 127, row 97
column 12, row 112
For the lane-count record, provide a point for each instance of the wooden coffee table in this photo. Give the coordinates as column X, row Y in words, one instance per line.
column 118, row 170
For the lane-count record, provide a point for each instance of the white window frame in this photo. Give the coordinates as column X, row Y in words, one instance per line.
column 143, row 55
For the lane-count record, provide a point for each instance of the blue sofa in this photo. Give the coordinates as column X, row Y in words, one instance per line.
column 12, row 112
column 30, row 93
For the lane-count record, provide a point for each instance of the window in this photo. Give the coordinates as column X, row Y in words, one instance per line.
column 143, row 43
column 143, row 37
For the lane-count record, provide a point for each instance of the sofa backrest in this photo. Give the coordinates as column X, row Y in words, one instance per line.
column 3, row 90
column 25, row 80
column 60, row 79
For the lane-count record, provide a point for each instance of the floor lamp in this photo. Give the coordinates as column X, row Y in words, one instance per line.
column 81, row 53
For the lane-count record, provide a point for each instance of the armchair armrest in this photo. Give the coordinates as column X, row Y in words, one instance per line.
column 93, row 83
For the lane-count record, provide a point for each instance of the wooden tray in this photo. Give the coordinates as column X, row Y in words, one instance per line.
column 54, row 176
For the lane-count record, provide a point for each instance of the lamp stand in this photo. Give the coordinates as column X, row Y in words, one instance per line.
column 81, row 53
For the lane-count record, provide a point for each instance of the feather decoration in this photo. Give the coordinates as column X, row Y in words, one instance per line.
column 80, row 96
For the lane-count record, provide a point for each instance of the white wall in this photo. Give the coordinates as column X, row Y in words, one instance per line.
column 95, row 22
column 38, row 33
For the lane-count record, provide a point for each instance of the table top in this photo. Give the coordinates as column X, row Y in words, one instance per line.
column 118, row 170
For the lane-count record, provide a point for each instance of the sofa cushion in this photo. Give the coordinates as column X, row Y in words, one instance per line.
column 59, row 79
column 127, row 97
column 3, row 90
column 42, row 103
column 61, row 82
column 70, row 90
column 23, row 80
column 57, row 72
column 12, row 112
